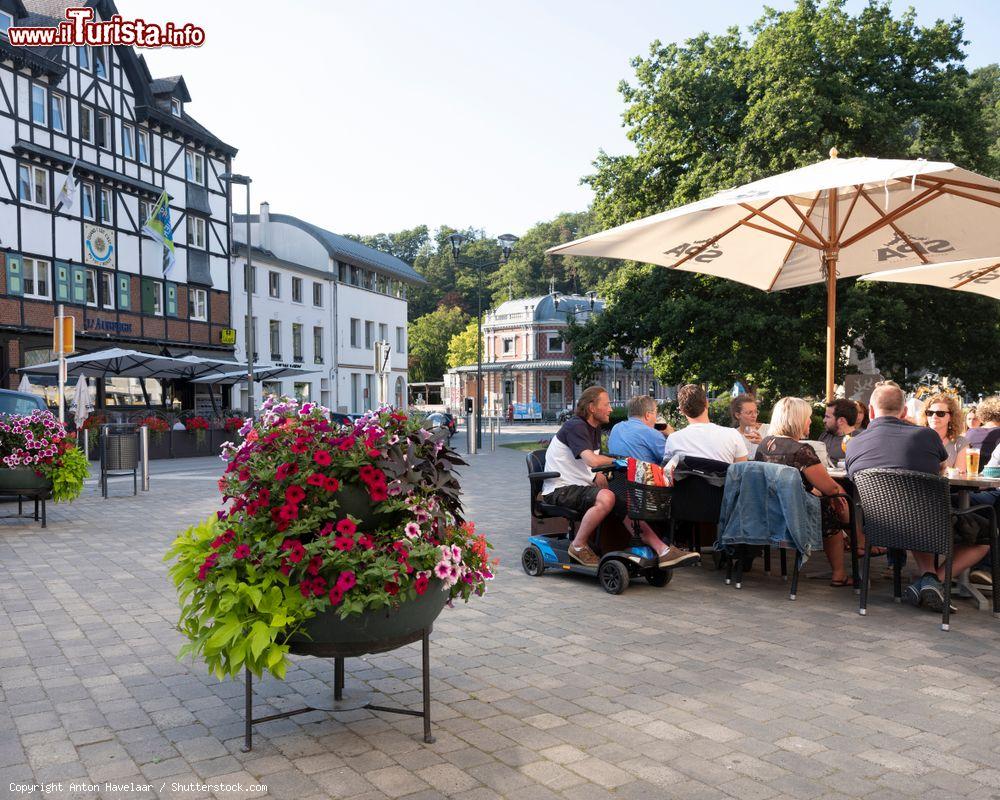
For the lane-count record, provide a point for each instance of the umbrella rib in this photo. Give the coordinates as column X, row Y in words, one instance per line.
column 956, row 182
column 797, row 234
column 805, row 219
column 976, row 276
column 850, row 210
column 965, row 195
column 898, row 231
column 791, row 247
column 911, row 205
column 790, row 237
column 715, row 239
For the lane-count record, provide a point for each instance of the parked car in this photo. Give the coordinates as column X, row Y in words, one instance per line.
column 340, row 418
column 12, row 402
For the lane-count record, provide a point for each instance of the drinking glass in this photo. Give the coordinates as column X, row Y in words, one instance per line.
column 972, row 461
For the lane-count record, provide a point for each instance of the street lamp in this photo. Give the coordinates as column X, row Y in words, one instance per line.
column 244, row 180
column 506, row 241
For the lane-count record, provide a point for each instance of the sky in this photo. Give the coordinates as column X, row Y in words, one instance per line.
column 380, row 115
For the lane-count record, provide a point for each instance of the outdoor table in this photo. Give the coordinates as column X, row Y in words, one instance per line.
column 963, row 486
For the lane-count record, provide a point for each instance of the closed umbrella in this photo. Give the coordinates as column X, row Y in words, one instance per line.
column 837, row 218
column 81, row 402
column 976, row 276
column 24, row 385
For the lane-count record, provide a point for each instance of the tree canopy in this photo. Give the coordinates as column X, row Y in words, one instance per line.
column 429, row 337
column 717, row 111
column 462, row 347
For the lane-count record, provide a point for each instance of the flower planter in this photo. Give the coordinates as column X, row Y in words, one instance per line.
column 327, row 635
column 23, row 479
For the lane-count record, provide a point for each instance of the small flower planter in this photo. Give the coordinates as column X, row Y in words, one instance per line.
column 24, row 483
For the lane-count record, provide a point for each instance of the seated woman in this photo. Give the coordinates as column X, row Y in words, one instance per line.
column 943, row 414
column 789, row 424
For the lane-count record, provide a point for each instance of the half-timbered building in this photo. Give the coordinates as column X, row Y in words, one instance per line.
column 127, row 137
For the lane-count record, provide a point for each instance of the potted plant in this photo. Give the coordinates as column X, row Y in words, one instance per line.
column 329, row 533
column 39, row 455
column 233, row 424
column 200, row 427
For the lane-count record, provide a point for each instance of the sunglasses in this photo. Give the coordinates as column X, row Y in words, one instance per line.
column 938, row 413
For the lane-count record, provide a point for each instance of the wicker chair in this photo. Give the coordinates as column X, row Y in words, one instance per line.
column 907, row 510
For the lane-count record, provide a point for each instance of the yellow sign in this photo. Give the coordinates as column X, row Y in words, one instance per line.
column 227, row 336
column 68, row 335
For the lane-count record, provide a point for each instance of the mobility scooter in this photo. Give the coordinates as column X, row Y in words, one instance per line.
column 623, row 555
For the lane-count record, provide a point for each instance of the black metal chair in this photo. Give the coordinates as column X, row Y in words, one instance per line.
column 696, row 497
column 540, row 509
column 907, row 510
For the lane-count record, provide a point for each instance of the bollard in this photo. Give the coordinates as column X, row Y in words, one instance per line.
column 144, row 444
column 86, row 444
column 493, row 434
column 470, row 434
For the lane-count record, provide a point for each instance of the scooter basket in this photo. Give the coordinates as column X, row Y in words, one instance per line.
column 649, row 503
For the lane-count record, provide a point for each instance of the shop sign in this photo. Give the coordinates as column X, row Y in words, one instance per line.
column 227, row 336
column 98, row 246
column 107, row 325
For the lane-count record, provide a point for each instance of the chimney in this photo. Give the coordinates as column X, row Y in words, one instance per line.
column 263, row 232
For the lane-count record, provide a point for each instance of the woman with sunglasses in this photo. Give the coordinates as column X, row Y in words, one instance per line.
column 943, row 414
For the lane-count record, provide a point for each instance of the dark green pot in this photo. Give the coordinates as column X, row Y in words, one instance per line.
column 22, row 478
column 371, row 631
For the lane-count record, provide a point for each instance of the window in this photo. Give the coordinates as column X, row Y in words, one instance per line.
column 104, row 208
column 39, row 101
column 508, row 346
column 383, row 333
column 100, row 62
column 194, row 166
column 296, row 290
column 274, row 284
column 271, row 387
column 355, row 393
column 198, row 304
column 301, row 392
column 383, row 284
column 196, row 232
column 103, row 130
column 275, row 331
column 36, row 278
column 317, row 294
column 108, row 289
column 158, row 299
column 318, row 345
column 369, row 334
column 83, row 58
column 355, row 332
column 87, row 200
column 6, row 20
column 342, row 272
column 92, row 287
column 128, row 141
column 175, row 106
column 33, row 185
column 143, row 142
column 400, row 340
column 355, row 276
column 87, row 124
column 57, row 112
column 296, row 342
column 555, row 343
column 144, row 211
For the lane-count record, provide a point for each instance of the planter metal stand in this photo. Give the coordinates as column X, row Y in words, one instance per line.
column 324, row 702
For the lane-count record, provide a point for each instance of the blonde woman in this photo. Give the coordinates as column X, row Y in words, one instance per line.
column 783, row 445
column 943, row 414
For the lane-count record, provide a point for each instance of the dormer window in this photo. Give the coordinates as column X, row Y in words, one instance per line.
column 175, row 106
column 6, row 20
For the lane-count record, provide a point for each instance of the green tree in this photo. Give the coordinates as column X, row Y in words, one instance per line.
column 462, row 347
column 429, row 337
column 718, row 111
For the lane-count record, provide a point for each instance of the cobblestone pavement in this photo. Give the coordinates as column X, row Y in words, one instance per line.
column 548, row 688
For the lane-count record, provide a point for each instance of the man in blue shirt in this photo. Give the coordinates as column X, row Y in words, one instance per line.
column 637, row 437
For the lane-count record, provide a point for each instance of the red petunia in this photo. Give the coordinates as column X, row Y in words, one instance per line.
column 299, row 446
column 373, row 453
column 392, row 589
column 326, row 530
column 420, row 584
column 264, row 496
column 317, row 480
column 314, row 565
column 336, row 595
column 366, row 471
column 332, row 485
column 296, row 552
column 378, row 493
column 294, row 494
column 322, row 457
column 346, row 444
column 344, row 543
column 346, row 581
column 286, row 470
column 346, row 527
column 241, row 551
column 365, row 541
column 288, row 512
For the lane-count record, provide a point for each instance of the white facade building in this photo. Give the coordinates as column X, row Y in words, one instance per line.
column 321, row 302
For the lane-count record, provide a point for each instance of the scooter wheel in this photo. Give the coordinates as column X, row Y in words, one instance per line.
column 613, row 576
column 532, row 561
column 659, row 577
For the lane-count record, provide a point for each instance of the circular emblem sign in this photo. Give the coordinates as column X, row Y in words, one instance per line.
column 99, row 244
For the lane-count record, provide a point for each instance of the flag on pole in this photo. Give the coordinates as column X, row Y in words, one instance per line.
column 67, row 195
column 158, row 227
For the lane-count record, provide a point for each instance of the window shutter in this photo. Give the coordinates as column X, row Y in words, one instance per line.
column 62, row 282
column 124, row 293
column 15, row 282
column 79, row 289
column 148, row 300
column 171, row 299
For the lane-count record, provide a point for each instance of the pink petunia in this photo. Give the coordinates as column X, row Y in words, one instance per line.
column 346, row 581
column 412, row 530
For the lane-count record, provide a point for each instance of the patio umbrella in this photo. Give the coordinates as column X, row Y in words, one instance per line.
column 81, row 402
column 24, row 385
column 841, row 217
column 261, row 372
column 202, row 365
column 976, row 276
column 115, row 361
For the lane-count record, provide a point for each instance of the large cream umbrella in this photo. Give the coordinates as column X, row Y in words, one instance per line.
column 841, row 217
column 976, row 276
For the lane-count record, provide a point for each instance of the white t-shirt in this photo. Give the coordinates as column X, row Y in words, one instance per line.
column 707, row 440
column 563, row 455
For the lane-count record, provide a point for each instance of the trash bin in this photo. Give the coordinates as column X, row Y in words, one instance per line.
column 119, row 453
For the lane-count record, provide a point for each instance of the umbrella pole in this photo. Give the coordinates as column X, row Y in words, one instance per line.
column 830, row 254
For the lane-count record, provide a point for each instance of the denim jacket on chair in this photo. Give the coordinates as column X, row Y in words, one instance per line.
column 766, row 504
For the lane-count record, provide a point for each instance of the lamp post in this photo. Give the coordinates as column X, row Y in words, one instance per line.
column 244, row 180
column 506, row 241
